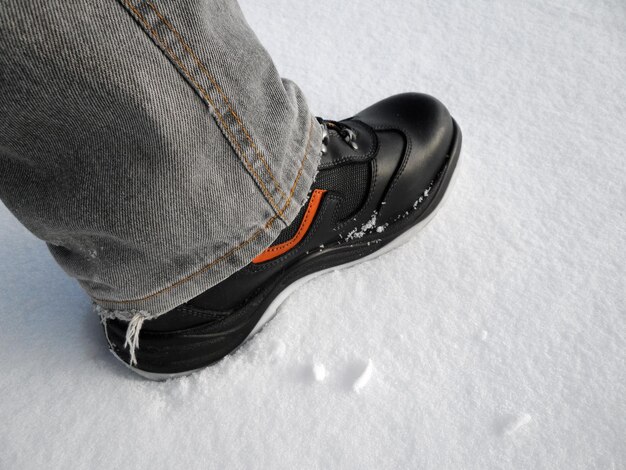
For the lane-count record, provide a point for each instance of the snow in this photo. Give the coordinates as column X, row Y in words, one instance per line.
column 498, row 335
column 319, row 372
column 364, row 378
column 367, row 227
column 517, row 422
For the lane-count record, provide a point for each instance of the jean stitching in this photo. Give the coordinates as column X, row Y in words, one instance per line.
column 232, row 251
column 219, row 89
column 212, row 103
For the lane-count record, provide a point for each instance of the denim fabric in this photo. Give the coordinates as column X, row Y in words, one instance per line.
column 152, row 145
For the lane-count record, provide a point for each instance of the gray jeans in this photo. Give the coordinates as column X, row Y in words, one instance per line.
column 152, row 145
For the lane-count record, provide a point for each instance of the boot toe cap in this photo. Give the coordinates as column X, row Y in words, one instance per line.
column 428, row 130
column 424, row 120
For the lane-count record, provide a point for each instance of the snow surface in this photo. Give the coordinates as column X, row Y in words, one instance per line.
column 498, row 336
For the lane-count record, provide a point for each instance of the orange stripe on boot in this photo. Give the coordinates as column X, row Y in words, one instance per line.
column 275, row 251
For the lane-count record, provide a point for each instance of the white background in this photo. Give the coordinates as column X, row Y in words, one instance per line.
column 497, row 337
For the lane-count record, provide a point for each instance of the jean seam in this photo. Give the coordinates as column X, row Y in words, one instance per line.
column 206, row 96
column 232, row 251
column 219, row 89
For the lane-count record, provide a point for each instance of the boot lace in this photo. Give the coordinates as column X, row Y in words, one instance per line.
column 342, row 129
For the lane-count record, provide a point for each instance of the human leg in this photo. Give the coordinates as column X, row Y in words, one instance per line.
column 152, row 145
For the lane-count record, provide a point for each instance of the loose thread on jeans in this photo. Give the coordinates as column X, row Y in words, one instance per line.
column 204, row 93
column 132, row 336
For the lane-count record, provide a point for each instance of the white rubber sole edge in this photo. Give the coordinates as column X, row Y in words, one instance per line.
column 272, row 309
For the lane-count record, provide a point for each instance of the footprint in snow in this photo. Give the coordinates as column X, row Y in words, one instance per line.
column 356, row 375
column 319, row 372
column 359, row 375
column 510, row 424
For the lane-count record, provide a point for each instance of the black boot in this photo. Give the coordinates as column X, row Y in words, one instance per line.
column 382, row 176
